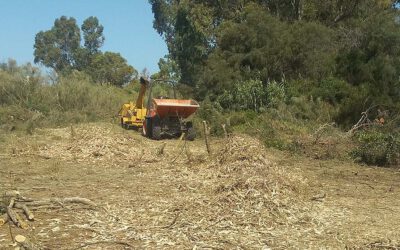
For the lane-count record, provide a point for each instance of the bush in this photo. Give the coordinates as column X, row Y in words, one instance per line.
column 377, row 147
column 29, row 102
column 210, row 112
column 333, row 90
column 252, row 95
column 247, row 95
column 276, row 94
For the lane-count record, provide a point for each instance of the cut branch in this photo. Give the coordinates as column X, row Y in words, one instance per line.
column 206, row 131
column 105, row 242
column 4, row 219
column 25, row 243
column 26, row 210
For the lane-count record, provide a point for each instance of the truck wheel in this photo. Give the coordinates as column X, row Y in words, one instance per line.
column 157, row 132
column 191, row 134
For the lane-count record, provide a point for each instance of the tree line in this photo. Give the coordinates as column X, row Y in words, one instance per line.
column 344, row 52
column 60, row 49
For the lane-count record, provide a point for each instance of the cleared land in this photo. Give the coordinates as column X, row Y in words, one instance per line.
column 243, row 196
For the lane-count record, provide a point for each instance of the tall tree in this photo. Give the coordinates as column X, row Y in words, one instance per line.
column 169, row 69
column 187, row 27
column 111, row 68
column 375, row 59
column 92, row 34
column 59, row 48
column 55, row 48
column 93, row 39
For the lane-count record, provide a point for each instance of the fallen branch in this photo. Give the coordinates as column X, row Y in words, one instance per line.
column 27, row 205
column 79, row 200
column 160, row 150
column 12, row 194
column 365, row 121
column 172, row 223
column 360, row 123
column 382, row 245
column 318, row 197
column 25, row 243
column 3, row 219
column 13, row 216
column 61, row 201
column 105, row 242
column 318, row 133
column 180, row 153
column 26, row 210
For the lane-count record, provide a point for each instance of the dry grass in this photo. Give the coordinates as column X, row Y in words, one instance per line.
column 240, row 197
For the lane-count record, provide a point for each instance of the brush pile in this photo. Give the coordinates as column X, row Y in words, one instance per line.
column 253, row 195
column 94, row 144
column 245, row 174
column 173, row 194
column 237, row 199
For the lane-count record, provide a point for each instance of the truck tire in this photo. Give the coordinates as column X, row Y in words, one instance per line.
column 156, row 132
column 190, row 134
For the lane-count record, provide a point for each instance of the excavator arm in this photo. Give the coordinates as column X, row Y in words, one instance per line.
column 143, row 86
column 133, row 115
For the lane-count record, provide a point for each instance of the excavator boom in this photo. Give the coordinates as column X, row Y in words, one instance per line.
column 133, row 115
column 143, row 85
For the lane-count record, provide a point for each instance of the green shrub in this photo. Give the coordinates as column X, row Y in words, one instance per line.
column 276, row 93
column 333, row 90
column 210, row 112
column 377, row 147
column 29, row 102
column 247, row 95
column 252, row 95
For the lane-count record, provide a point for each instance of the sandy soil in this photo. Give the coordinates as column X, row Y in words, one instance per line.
column 243, row 196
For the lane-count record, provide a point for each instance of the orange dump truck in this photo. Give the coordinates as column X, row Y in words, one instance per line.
column 168, row 118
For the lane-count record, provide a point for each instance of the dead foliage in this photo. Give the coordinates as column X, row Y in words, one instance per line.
column 173, row 194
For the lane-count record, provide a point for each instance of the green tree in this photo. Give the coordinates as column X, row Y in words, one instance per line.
column 93, row 40
column 92, row 34
column 194, row 30
column 10, row 66
column 111, row 68
column 374, row 59
column 262, row 46
column 187, row 28
column 169, row 69
column 55, row 48
column 59, row 48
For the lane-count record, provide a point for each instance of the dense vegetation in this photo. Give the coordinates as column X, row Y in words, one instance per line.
column 297, row 74
column 303, row 61
column 346, row 52
column 28, row 99
column 300, row 62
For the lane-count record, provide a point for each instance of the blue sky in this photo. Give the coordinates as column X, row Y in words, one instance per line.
column 128, row 27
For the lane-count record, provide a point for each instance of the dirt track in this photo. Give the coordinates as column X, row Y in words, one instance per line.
column 242, row 197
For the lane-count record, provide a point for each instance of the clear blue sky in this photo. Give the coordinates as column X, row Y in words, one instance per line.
column 128, row 27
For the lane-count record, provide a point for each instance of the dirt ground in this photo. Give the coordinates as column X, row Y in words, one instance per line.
column 171, row 194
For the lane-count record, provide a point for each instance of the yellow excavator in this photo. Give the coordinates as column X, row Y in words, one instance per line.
column 131, row 115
